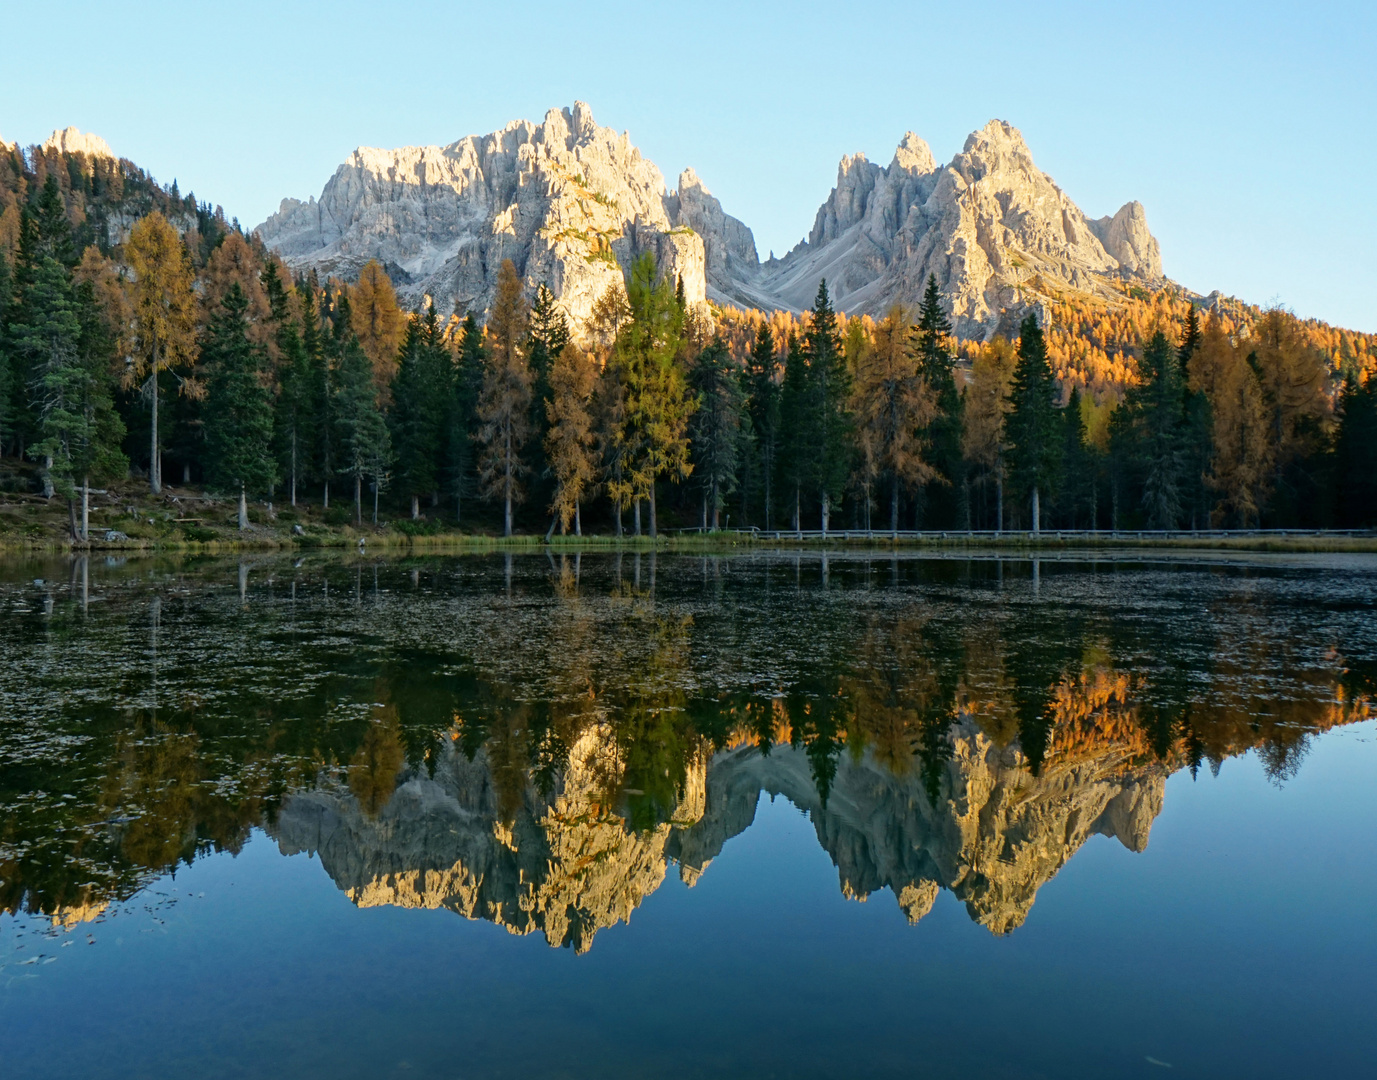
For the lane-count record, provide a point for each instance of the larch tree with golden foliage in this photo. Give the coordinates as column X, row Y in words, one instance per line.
column 987, row 405
column 1241, row 464
column 893, row 403
column 504, row 401
column 569, row 441
column 163, row 316
column 378, row 321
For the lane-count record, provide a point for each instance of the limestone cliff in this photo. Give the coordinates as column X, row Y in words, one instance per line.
column 567, row 866
column 990, row 226
column 71, row 141
column 569, row 202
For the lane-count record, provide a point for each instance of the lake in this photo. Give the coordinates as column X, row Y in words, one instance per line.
column 617, row 814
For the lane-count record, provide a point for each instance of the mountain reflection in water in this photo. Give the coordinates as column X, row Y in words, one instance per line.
column 535, row 741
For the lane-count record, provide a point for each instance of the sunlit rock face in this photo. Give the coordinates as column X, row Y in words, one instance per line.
column 72, row 141
column 569, row 865
column 987, row 226
column 565, row 866
column 569, row 202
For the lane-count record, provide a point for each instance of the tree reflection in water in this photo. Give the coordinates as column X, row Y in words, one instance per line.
column 536, row 741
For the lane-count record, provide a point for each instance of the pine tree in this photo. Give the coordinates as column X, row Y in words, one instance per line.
column 6, row 376
column 505, row 398
column 1160, row 406
column 715, row 428
column 830, row 397
column 945, row 494
column 549, row 333
column 318, row 371
column 1033, row 425
column 420, row 396
column 1195, row 431
column 239, row 426
column 1355, row 454
column 763, row 410
column 295, row 421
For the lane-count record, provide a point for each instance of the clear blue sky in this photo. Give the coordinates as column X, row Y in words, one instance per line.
column 1247, row 130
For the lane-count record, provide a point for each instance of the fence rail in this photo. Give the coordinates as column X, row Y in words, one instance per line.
column 1021, row 534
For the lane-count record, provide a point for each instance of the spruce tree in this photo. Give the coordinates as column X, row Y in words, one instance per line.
column 318, row 372
column 549, row 333
column 945, row 496
column 239, row 425
column 420, row 398
column 1158, row 401
column 1075, row 501
column 830, row 395
column 763, row 410
column 365, row 444
column 1033, row 426
column 6, row 378
column 797, row 447
column 715, row 428
column 462, row 415
column 1196, row 443
column 1355, row 455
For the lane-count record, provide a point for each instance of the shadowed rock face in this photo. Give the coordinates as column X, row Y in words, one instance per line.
column 567, row 865
column 569, row 202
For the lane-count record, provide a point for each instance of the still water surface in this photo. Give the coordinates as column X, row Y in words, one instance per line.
column 631, row 816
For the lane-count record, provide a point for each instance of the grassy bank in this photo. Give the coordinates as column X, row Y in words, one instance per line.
column 128, row 518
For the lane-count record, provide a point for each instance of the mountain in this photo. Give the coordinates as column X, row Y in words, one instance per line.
column 571, row 203
column 567, row 865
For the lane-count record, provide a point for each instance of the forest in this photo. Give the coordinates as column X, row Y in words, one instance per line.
column 141, row 334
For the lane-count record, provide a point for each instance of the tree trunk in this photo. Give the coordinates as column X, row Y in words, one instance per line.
column 71, row 520
column 798, row 522
column 653, row 533
column 551, row 530
column 415, row 508
column 155, row 472
column 636, row 518
column 293, row 469
column 704, row 522
column 85, row 509
column 48, row 490
column 826, row 512
column 376, row 487
column 894, row 508
column 327, row 496
column 714, row 506
column 578, row 523
column 507, row 514
column 1037, row 519
column 619, row 519
column 243, row 510
column 999, row 500
column 358, row 498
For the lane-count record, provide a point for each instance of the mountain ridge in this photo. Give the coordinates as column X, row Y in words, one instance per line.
column 560, row 196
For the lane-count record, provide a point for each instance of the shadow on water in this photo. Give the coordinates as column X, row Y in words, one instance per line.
column 536, row 740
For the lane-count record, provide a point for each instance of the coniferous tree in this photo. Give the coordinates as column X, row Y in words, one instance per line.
column 1076, row 499
column 658, row 405
column 985, row 409
column 1033, row 425
column 239, row 426
column 945, row 495
column 569, row 437
column 420, row 396
column 1161, row 437
column 549, row 333
column 364, row 439
column 505, row 398
column 319, row 372
column 797, row 452
column 164, row 314
column 462, row 417
column 6, row 376
column 895, row 404
column 715, row 428
column 830, row 396
column 1195, row 430
column 295, row 420
column 1355, row 454
column 763, row 409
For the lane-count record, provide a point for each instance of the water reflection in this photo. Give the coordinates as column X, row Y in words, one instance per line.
column 537, row 741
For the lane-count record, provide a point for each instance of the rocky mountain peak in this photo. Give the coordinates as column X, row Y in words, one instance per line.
column 913, row 155
column 72, row 141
